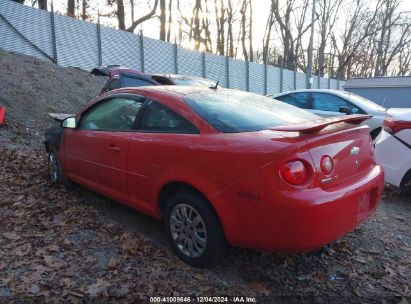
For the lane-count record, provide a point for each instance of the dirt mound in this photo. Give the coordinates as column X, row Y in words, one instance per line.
column 30, row 88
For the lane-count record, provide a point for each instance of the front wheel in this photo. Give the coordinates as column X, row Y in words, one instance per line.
column 194, row 229
column 56, row 172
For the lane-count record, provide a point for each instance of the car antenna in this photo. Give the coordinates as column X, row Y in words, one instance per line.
column 216, row 85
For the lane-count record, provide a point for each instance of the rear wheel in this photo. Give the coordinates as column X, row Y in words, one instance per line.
column 193, row 229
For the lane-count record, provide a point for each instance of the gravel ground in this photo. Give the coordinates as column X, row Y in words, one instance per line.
column 75, row 246
column 30, row 88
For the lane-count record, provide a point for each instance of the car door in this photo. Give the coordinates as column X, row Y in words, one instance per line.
column 159, row 135
column 328, row 105
column 96, row 151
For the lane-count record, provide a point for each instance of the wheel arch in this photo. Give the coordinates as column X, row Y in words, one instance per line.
column 171, row 188
column 405, row 178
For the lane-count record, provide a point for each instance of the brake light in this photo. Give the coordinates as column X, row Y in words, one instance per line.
column 294, row 172
column 393, row 126
column 327, row 165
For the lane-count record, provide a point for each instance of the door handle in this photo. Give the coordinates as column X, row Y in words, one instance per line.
column 113, row 148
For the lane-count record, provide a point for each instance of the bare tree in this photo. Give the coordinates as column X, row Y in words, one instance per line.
column 84, row 7
column 329, row 10
column 170, row 19
column 146, row 17
column 395, row 33
column 291, row 26
column 361, row 23
column 220, row 20
column 404, row 62
column 243, row 11
column 70, row 8
column 120, row 15
column 163, row 20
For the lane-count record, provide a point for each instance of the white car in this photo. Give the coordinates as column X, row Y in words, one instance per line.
column 328, row 103
column 393, row 148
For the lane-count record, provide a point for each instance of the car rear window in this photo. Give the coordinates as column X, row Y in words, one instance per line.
column 234, row 111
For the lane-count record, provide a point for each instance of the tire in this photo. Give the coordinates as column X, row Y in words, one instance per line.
column 406, row 183
column 56, row 172
column 198, row 225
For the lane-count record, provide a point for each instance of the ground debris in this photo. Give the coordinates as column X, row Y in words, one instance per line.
column 74, row 246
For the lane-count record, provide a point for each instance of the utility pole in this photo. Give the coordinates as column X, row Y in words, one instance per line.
column 310, row 51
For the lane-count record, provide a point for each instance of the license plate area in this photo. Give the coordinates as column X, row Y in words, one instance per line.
column 366, row 203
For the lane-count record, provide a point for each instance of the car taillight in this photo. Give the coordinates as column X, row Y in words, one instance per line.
column 294, row 172
column 393, row 126
column 327, row 164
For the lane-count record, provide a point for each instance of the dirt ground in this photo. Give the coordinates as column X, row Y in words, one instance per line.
column 74, row 246
column 61, row 245
column 30, row 88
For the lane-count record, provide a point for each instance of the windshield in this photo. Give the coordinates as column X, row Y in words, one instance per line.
column 363, row 101
column 234, row 111
column 198, row 82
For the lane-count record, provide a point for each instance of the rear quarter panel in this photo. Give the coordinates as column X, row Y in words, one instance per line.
column 208, row 162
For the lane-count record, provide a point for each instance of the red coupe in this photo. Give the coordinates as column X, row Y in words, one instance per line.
column 222, row 166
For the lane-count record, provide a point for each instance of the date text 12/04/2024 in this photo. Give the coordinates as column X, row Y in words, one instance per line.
column 203, row 299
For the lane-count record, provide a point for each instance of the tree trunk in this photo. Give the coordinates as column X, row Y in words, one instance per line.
column 243, row 12
column 251, row 51
column 120, row 15
column 163, row 20
column 43, row 4
column 170, row 19
column 84, row 10
column 132, row 10
column 70, row 8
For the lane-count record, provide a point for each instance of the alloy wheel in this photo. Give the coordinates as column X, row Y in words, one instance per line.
column 188, row 230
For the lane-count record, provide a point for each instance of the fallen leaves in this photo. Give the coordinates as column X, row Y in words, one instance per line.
column 58, row 246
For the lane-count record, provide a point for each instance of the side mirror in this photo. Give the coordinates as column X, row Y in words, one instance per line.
column 345, row 109
column 69, row 122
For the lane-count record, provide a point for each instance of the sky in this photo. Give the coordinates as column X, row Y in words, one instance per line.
column 151, row 28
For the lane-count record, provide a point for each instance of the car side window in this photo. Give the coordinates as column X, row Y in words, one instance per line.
column 160, row 119
column 113, row 84
column 296, row 99
column 329, row 102
column 116, row 114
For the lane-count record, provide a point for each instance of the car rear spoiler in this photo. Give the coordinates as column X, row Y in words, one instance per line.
column 103, row 70
column 318, row 125
column 60, row 116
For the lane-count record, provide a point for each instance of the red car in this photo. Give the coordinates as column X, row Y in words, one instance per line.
column 223, row 166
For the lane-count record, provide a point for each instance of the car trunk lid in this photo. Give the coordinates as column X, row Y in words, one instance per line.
column 349, row 146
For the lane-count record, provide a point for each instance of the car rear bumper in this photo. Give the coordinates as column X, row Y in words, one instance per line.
column 303, row 220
